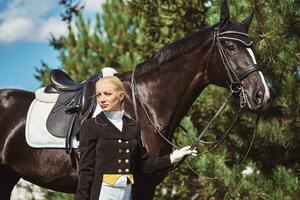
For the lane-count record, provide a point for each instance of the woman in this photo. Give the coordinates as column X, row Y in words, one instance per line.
column 111, row 150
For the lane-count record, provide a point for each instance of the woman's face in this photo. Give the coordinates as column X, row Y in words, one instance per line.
column 108, row 98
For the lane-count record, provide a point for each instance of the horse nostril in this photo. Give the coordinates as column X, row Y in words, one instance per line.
column 258, row 98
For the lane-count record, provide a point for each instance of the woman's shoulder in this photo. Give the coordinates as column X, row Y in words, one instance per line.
column 130, row 121
column 88, row 122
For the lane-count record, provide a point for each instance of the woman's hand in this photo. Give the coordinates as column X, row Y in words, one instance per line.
column 178, row 154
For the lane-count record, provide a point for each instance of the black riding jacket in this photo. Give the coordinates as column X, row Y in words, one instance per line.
column 102, row 146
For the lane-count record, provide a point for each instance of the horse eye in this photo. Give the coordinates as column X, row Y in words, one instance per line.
column 230, row 47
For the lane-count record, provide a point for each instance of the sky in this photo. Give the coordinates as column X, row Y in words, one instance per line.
column 25, row 27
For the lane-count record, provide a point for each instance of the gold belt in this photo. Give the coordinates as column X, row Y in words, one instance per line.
column 112, row 178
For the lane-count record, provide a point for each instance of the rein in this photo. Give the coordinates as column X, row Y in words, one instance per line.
column 213, row 148
column 235, row 87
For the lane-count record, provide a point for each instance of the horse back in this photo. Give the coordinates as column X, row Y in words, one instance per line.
column 14, row 104
column 14, row 99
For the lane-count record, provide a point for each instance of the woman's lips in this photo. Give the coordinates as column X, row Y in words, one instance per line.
column 104, row 105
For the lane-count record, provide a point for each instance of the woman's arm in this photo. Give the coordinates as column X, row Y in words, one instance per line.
column 87, row 148
column 148, row 164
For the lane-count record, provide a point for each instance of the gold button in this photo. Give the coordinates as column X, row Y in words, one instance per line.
column 119, row 140
column 126, row 170
column 120, row 150
column 119, row 170
column 127, row 142
column 127, row 150
column 119, row 161
column 127, row 161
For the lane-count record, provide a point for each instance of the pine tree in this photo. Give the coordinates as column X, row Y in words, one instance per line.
column 87, row 48
column 108, row 45
column 166, row 21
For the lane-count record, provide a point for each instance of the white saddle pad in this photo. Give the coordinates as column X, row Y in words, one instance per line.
column 36, row 133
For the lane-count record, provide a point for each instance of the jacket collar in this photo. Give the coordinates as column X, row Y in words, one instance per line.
column 103, row 121
column 114, row 132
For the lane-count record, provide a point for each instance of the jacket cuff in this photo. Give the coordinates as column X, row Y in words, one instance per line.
column 165, row 162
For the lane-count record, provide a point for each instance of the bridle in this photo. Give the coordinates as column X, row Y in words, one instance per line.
column 235, row 79
column 235, row 86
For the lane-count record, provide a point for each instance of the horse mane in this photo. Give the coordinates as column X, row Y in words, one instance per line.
column 169, row 52
column 173, row 50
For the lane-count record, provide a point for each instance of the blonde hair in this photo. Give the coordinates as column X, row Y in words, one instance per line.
column 114, row 81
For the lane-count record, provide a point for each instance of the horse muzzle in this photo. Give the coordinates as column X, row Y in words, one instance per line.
column 258, row 99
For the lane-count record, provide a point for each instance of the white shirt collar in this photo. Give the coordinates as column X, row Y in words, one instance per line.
column 114, row 115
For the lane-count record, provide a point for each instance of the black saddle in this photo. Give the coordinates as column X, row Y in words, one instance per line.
column 74, row 105
column 62, row 81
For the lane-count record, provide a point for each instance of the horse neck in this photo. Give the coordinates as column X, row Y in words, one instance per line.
column 168, row 92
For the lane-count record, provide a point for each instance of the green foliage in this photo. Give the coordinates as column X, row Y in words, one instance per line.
column 107, row 44
column 166, row 21
column 43, row 73
column 51, row 195
column 111, row 42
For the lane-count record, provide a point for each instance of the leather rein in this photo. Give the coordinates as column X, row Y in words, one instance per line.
column 235, row 86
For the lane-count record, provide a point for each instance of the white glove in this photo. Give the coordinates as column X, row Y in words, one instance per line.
column 178, row 154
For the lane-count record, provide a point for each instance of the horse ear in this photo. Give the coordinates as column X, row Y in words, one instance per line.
column 225, row 14
column 247, row 21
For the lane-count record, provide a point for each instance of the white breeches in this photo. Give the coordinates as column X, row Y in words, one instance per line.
column 109, row 192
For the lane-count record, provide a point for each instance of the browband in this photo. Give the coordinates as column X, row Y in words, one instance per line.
column 221, row 36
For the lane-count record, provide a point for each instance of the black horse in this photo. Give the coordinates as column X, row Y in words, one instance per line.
column 167, row 84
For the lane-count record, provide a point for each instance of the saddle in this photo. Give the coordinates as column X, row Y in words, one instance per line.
column 74, row 105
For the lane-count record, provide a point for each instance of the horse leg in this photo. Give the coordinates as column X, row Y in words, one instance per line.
column 8, row 180
column 146, row 185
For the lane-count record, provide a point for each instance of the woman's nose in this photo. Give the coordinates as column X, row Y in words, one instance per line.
column 102, row 99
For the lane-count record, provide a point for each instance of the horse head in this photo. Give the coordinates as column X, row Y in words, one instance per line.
column 232, row 62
